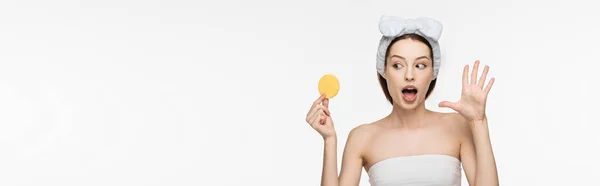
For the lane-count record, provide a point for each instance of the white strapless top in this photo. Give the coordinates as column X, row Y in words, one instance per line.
column 417, row 170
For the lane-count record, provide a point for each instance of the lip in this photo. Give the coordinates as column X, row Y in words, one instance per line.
column 409, row 99
column 409, row 86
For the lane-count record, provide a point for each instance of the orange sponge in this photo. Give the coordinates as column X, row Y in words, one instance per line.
column 330, row 85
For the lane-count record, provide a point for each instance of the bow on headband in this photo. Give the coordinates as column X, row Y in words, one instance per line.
column 391, row 26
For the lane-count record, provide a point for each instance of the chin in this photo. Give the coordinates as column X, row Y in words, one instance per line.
column 403, row 104
column 406, row 106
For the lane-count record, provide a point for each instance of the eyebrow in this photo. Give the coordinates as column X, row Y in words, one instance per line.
column 405, row 58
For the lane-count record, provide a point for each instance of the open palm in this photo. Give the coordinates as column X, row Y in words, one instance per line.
column 473, row 98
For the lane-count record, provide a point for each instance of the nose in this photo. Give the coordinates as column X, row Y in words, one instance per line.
column 409, row 76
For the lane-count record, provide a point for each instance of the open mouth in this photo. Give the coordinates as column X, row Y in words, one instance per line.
column 409, row 93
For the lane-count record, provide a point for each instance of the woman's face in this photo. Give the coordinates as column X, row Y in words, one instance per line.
column 408, row 72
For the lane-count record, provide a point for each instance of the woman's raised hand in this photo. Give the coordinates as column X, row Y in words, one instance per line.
column 319, row 117
column 474, row 96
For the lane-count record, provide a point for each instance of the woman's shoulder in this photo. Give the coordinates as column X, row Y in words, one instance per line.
column 364, row 132
column 451, row 118
column 445, row 117
column 360, row 136
column 455, row 122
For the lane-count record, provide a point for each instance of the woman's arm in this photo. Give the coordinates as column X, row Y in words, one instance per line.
column 476, row 153
column 476, row 149
column 351, row 161
column 486, row 173
column 329, row 175
column 319, row 119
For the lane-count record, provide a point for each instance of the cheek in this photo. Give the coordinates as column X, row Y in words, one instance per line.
column 394, row 87
column 424, row 86
column 424, row 80
column 427, row 72
column 395, row 74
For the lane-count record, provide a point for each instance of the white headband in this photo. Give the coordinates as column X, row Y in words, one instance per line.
column 392, row 27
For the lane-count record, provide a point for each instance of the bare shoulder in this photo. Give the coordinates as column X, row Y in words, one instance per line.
column 359, row 138
column 454, row 118
column 362, row 132
column 457, row 123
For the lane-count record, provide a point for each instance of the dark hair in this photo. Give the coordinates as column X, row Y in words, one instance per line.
column 382, row 80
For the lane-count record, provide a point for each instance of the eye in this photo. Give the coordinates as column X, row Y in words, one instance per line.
column 397, row 65
column 421, row 65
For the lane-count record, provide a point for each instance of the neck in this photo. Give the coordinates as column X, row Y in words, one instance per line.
column 408, row 118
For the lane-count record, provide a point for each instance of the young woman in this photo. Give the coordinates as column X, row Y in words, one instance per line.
column 413, row 145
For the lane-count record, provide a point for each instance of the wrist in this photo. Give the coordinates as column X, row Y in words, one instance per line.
column 477, row 120
column 480, row 120
column 479, row 125
column 330, row 139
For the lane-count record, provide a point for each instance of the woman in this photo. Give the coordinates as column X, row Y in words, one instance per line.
column 413, row 145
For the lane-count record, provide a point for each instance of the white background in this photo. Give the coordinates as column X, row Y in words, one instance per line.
column 215, row 93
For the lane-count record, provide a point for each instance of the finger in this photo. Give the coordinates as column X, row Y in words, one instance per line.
column 322, row 120
column 314, row 121
column 326, row 111
column 489, row 86
column 474, row 73
column 321, row 109
column 319, row 100
column 465, row 75
column 311, row 113
column 483, row 76
column 326, row 103
column 315, row 103
column 447, row 104
column 317, row 110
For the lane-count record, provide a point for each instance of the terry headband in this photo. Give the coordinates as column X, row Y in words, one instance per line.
column 392, row 27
